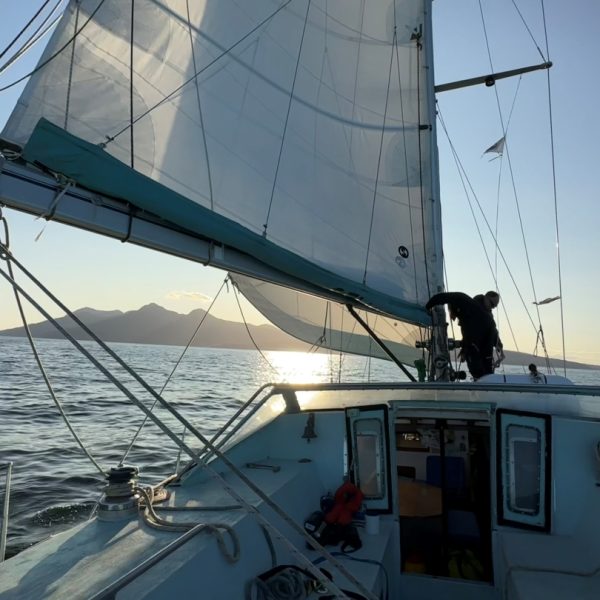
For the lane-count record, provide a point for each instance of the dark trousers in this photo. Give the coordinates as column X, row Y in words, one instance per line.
column 479, row 361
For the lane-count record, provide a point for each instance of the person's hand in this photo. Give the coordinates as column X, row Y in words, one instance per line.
column 501, row 356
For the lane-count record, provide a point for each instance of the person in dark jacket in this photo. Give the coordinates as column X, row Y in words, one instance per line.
column 489, row 301
column 477, row 325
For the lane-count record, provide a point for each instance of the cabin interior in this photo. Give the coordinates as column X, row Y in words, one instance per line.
column 444, row 500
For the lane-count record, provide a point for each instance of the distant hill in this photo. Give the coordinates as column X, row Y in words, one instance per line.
column 153, row 324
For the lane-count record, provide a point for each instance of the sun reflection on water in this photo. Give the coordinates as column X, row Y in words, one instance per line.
column 300, row 367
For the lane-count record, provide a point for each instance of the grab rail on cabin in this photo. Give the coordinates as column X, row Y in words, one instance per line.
column 4, row 530
column 223, row 435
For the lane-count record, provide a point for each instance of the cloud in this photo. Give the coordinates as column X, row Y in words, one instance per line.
column 184, row 295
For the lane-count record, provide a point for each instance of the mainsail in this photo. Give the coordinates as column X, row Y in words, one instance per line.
column 300, row 133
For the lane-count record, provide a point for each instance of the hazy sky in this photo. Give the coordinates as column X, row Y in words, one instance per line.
column 88, row 270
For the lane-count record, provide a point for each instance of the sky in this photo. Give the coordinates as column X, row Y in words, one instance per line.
column 89, row 270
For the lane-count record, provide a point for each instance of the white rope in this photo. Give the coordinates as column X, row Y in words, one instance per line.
column 153, row 520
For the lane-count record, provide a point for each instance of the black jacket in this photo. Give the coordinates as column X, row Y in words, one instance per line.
column 476, row 323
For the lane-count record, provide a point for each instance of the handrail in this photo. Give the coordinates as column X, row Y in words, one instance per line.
column 4, row 530
column 238, row 423
column 110, row 591
column 536, row 388
column 205, row 453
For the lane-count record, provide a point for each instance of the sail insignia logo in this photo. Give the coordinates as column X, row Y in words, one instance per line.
column 403, row 254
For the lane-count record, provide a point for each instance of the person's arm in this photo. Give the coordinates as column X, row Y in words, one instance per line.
column 457, row 299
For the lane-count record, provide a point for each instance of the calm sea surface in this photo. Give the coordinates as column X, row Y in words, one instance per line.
column 54, row 484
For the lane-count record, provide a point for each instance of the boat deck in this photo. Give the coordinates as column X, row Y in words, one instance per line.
column 85, row 561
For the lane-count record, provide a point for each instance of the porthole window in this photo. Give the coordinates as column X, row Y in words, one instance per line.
column 369, row 457
column 524, row 469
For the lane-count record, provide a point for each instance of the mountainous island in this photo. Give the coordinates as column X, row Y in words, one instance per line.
column 153, row 324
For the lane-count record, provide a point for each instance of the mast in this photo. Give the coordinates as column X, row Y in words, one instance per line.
column 439, row 353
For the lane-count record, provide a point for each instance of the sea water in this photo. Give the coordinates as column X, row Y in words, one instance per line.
column 54, row 485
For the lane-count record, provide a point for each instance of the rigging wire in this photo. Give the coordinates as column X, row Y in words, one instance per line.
column 463, row 176
column 200, row 113
column 5, row 254
column 53, row 56
column 131, row 72
column 544, row 58
column 195, row 75
column 517, row 204
column 385, row 111
column 235, row 293
column 287, row 118
column 504, row 133
column 555, row 195
column 71, row 65
column 175, row 367
column 35, row 37
column 24, row 28
column 408, row 187
column 445, row 271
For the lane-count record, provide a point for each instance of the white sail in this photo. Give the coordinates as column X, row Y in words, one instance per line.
column 307, row 123
column 325, row 324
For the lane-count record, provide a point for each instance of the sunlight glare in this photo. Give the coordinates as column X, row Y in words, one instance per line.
column 300, row 367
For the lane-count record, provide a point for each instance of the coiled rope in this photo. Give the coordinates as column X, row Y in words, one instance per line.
column 156, row 522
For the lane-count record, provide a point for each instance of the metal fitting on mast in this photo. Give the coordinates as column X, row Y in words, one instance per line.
column 439, row 352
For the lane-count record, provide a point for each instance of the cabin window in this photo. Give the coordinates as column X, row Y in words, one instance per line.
column 369, row 457
column 524, row 469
